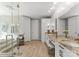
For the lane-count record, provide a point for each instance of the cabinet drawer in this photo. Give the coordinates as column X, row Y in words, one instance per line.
column 68, row 53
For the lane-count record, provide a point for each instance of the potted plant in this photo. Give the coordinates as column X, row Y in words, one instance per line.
column 66, row 33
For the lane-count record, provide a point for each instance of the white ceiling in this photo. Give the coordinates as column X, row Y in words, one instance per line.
column 30, row 9
column 37, row 9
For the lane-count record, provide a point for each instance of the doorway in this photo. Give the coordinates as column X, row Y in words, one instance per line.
column 35, row 29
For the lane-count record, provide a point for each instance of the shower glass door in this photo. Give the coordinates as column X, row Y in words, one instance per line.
column 9, row 29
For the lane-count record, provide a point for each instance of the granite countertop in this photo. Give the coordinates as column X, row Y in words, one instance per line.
column 70, row 44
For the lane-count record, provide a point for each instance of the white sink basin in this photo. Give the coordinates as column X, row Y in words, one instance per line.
column 74, row 45
column 70, row 43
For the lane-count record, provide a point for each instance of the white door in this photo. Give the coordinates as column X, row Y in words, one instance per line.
column 35, row 29
column 25, row 27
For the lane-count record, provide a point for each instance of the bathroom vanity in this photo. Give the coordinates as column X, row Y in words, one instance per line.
column 64, row 47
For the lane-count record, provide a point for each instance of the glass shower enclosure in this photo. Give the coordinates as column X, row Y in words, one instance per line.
column 9, row 29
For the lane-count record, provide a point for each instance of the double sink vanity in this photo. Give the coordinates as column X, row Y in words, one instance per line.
column 64, row 47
